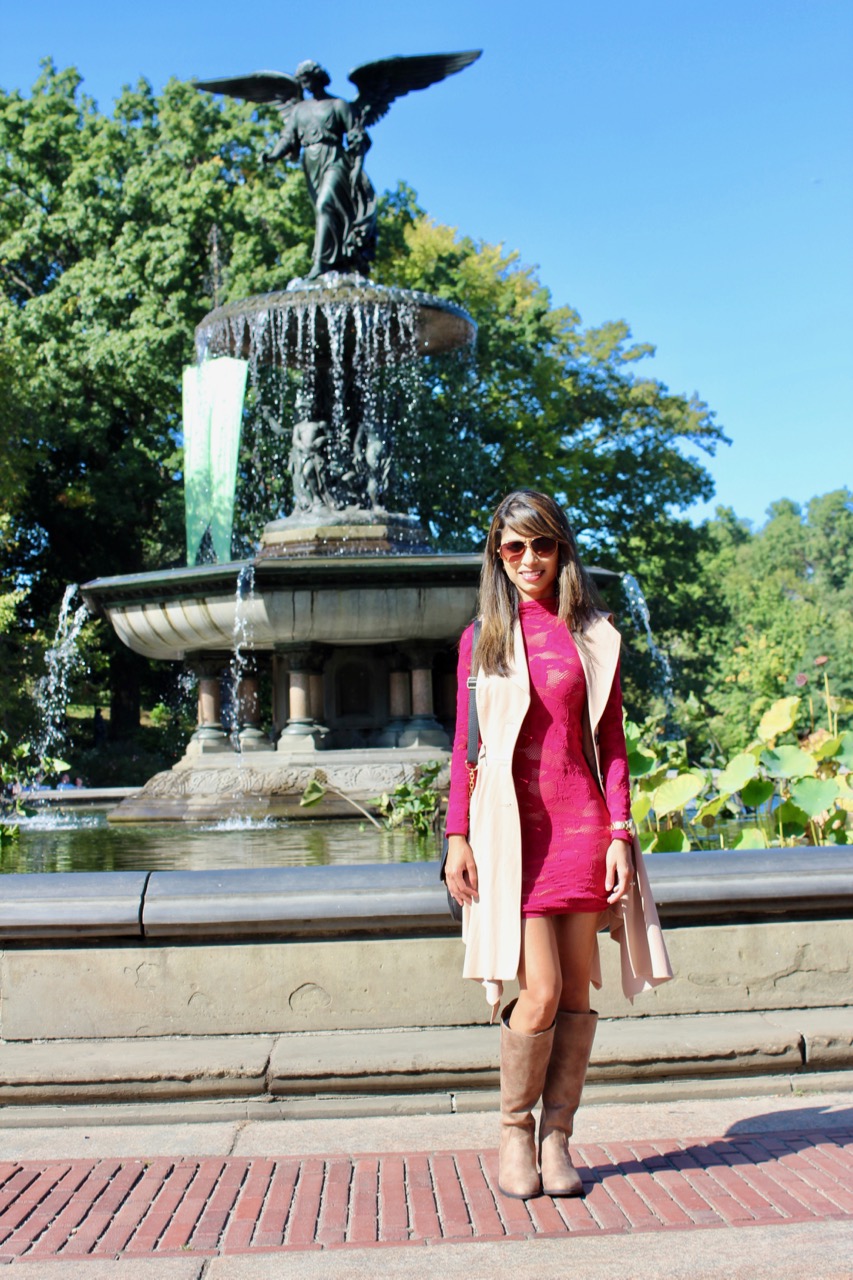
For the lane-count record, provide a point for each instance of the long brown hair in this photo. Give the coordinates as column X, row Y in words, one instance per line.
column 533, row 515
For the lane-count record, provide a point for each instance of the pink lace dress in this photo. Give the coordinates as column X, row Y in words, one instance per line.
column 565, row 820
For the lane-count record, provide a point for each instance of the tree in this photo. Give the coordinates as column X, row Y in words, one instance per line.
column 554, row 406
column 118, row 233
column 787, row 591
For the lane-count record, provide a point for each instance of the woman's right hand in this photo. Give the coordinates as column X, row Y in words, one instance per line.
column 460, row 870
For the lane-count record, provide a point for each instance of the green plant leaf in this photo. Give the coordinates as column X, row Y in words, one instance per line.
column 313, row 793
column 814, row 795
column 708, row 812
column 672, row 795
column 641, row 807
column 792, row 818
column 740, row 770
column 647, row 839
column 641, row 761
column 751, row 838
column 778, row 719
column 827, row 749
column 845, row 753
column 789, row 762
column 673, row 841
column 652, row 780
column 757, row 792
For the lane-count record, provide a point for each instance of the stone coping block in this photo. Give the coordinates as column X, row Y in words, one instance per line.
column 386, row 897
column 72, row 904
column 726, row 882
column 295, row 900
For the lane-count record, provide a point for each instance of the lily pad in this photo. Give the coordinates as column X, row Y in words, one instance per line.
column 675, row 793
column 751, row 838
column 814, row 795
column 778, row 719
column 641, row 761
column 740, row 770
column 673, row 841
column 641, row 807
column 845, row 752
column 792, row 819
column 789, row 762
column 313, row 793
column 708, row 812
column 757, row 792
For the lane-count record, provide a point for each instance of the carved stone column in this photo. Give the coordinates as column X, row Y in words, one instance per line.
column 317, row 689
column 423, row 730
column 209, row 736
column 301, row 732
column 280, row 693
column 247, row 711
column 399, row 700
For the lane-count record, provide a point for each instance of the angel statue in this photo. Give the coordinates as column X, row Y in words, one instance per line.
column 341, row 192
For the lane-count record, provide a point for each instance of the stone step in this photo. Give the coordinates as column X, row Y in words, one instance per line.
column 459, row 1062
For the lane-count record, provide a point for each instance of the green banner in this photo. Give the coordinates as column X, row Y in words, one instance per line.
column 213, row 411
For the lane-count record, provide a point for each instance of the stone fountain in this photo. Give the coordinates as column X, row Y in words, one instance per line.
column 345, row 608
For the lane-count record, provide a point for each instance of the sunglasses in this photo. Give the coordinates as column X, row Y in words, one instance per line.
column 514, row 549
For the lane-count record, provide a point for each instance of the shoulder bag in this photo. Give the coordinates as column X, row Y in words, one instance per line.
column 471, row 761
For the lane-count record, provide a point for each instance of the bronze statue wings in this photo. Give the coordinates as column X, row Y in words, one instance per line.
column 256, row 86
column 379, row 83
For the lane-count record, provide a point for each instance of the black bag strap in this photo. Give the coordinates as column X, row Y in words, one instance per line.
column 473, row 725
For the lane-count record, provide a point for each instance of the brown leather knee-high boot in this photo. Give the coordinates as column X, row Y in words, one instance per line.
column 561, row 1095
column 524, row 1061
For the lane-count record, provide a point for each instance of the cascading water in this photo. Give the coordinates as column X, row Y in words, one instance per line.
column 243, row 727
column 638, row 606
column 52, row 691
column 351, row 347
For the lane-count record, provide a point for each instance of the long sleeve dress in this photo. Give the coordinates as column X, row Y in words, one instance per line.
column 565, row 819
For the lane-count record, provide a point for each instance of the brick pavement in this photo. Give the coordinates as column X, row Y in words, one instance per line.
column 226, row 1205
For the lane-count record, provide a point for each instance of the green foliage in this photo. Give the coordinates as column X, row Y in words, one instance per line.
column 413, row 803
column 317, row 788
column 547, row 404
column 785, row 620
column 117, row 233
column 799, row 793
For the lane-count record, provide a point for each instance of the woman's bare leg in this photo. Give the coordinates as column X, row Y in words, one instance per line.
column 555, row 968
column 576, row 935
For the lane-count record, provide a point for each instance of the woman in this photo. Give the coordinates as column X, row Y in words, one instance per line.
column 544, row 846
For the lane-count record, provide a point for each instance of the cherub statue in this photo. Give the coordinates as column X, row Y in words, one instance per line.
column 343, row 197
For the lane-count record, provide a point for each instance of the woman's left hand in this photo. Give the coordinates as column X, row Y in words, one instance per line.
column 620, row 871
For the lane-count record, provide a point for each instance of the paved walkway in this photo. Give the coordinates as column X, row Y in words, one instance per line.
column 321, row 1197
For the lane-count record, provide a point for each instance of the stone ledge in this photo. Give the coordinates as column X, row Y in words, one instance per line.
column 127, row 1070
column 681, row 1052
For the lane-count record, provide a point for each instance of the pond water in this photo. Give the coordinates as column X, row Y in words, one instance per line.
column 53, row 841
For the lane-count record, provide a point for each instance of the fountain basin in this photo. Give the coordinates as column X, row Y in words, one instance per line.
column 290, row 327
column 336, row 600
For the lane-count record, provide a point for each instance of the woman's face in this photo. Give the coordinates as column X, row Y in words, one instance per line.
column 532, row 575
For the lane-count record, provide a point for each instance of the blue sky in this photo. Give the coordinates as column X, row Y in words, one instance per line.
column 682, row 165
